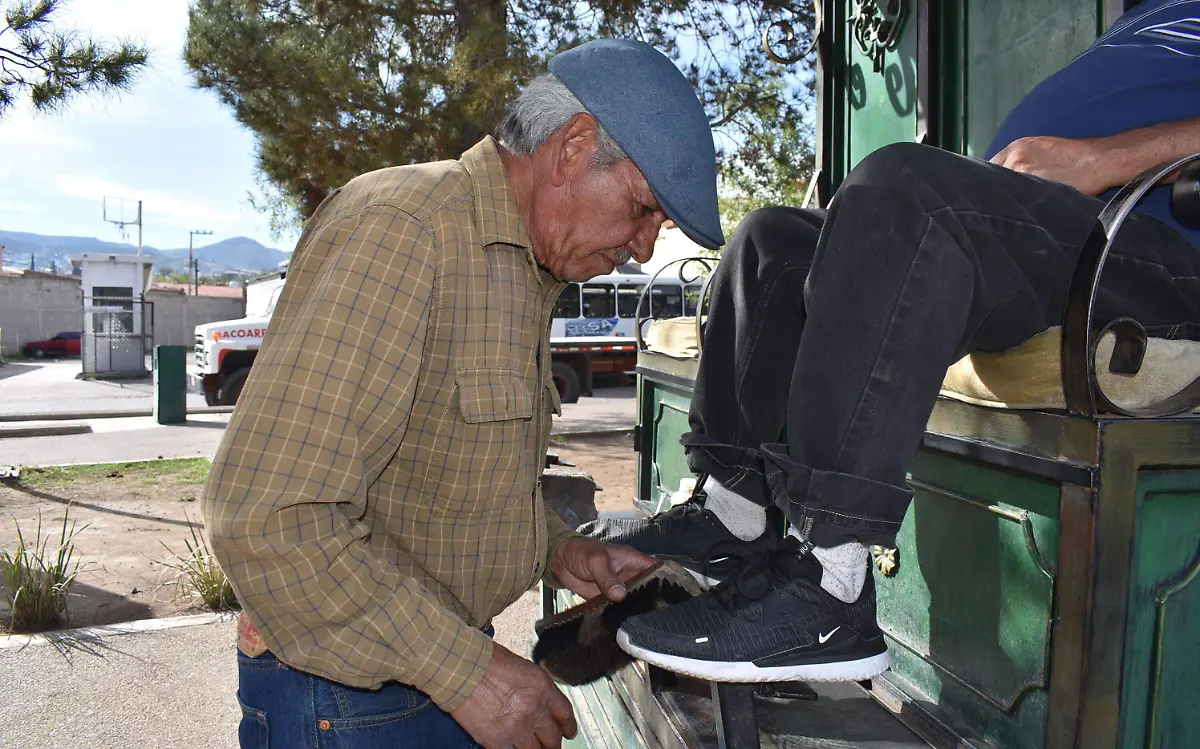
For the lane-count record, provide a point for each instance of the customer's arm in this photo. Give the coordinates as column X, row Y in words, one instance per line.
column 1093, row 165
column 325, row 410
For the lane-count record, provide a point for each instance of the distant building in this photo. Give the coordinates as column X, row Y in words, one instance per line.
column 227, row 292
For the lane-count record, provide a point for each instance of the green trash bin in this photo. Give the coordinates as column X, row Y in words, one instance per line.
column 170, row 384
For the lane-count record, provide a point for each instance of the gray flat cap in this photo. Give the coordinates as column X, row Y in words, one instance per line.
column 648, row 107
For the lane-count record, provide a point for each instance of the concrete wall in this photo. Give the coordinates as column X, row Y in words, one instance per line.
column 176, row 315
column 36, row 306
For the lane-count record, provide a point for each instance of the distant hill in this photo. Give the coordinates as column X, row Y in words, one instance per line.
column 228, row 255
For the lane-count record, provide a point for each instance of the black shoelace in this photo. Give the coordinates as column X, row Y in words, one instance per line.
column 761, row 564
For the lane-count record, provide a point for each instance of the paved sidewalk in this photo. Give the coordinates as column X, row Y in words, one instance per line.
column 51, row 386
column 167, row 690
column 173, row 689
column 116, row 440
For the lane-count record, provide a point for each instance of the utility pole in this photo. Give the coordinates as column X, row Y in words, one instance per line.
column 193, row 266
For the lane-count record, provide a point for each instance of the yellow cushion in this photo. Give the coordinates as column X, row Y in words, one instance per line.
column 1029, row 375
column 675, row 336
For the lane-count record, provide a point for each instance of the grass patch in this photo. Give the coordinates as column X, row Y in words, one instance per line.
column 201, row 576
column 183, row 470
column 36, row 579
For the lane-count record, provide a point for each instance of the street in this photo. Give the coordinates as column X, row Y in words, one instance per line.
column 51, row 387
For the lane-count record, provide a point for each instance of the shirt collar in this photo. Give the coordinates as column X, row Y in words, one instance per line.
column 499, row 220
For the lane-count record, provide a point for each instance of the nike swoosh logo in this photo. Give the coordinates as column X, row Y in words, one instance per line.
column 825, row 638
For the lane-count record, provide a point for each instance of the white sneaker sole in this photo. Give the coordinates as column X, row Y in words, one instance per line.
column 857, row 670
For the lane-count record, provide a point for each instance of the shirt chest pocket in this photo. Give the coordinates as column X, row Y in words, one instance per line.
column 485, row 465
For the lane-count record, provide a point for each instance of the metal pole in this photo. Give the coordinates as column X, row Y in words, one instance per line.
column 139, row 228
column 193, row 266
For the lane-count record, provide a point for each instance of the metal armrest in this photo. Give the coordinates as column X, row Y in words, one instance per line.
column 1185, row 196
column 646, row 298
column 1080, row 332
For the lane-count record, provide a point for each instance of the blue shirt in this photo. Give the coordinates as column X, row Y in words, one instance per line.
column 1144, row 71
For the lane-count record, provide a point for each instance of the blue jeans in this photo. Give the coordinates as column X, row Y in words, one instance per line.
column 283, row 708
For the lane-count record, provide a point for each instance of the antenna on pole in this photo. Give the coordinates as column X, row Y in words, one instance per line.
column 120, row 211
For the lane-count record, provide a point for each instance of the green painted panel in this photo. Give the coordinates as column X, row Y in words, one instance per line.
column 880, row 107
column 969, row 608
column 1011, row 47
column 1160, row 704
column 664, row 412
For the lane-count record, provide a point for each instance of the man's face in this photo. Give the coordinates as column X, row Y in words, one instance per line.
column 585, row 220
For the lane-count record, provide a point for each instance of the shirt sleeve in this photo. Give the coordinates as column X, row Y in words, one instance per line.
column 324, row 410
column 557, row 531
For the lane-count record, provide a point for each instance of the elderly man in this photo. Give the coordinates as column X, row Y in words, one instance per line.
column 375, row 501
column 841, row 325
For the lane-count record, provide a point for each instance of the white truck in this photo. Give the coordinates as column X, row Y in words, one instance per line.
column 225, row 350
column 593, row 332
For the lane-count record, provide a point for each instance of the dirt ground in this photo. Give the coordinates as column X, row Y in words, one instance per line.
column 135, row 519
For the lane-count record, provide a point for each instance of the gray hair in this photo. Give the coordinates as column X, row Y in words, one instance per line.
column 542, row 108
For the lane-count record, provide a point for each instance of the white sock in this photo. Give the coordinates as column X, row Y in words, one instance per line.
column 843, row 568
column 743, row 518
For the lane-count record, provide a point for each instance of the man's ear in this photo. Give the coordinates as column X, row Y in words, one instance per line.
column 574, row 145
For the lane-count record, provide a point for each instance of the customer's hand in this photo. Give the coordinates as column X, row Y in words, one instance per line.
column 591, row 568
column 1082, row 163
column 516, row 705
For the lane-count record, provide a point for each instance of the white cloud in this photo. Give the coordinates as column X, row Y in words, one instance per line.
column 8, row 206
column 157, row 205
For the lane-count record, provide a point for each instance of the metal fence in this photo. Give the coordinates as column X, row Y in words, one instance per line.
column 118, row 332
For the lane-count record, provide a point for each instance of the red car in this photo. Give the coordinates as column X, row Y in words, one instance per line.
column 63, row 344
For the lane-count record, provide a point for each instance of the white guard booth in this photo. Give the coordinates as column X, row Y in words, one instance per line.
column 118, row 322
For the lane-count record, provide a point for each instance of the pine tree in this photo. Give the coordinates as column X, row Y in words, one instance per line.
column 53, row 65
column 335, row 88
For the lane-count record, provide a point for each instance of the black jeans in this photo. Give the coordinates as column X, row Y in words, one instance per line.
column 840, row 326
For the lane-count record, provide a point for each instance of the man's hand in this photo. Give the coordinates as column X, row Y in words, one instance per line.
column 1093, row 165
column 516, row 705
column 591, row 568
column 1080, row 163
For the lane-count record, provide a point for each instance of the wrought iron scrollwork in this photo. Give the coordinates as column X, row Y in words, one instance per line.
column 782, row 35
column 645, row 299
column 876, row 29
column 1081, row 334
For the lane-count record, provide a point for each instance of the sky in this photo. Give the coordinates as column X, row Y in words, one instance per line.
column 165, row 142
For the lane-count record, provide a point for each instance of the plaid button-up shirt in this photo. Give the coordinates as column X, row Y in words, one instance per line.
column 375, row 500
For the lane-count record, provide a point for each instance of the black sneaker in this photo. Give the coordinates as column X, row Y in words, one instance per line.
column 769, row 621
column 688, row 534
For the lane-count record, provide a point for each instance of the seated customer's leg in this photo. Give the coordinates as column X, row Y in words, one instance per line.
column 755, row 319
column 923, row 257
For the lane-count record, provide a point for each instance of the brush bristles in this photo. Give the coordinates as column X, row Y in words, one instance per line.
column 584, row 649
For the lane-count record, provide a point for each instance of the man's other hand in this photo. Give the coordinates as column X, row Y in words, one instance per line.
column 590, row 568
column 516, row 705
column 1080, row 163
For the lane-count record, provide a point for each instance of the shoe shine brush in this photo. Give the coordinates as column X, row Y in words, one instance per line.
column 579, row 645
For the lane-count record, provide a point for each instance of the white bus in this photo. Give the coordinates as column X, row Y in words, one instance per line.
column 607, row 306
column 595, row 322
